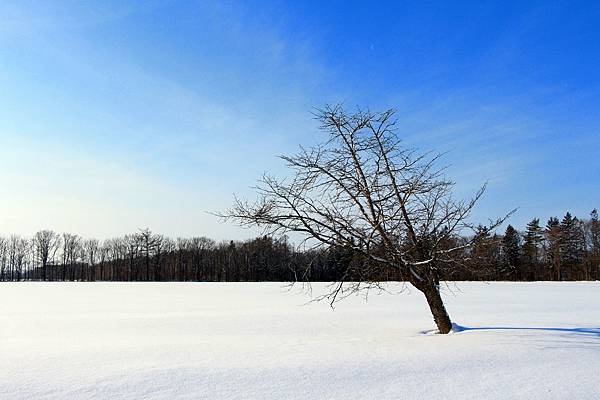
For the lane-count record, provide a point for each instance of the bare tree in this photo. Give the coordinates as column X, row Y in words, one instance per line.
column 90, row 247
column 3, row 257
column 71, row 245
column 46, row 244
column 199, row 246
column 104, row 255
column 18, row 249
column 133, row 247
column 147, row 245
column 161, row 243
column 362, row 191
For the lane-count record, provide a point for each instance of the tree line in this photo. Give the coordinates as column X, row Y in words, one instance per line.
column 562, row 249
column 146, row 256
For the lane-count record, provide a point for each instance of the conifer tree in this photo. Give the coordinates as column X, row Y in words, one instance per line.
column 532, row 249
column 485, row 255
column 553, row 240
column 511, row 252
column 571, row 245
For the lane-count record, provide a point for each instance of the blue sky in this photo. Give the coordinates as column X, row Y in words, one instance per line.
column 118, row 115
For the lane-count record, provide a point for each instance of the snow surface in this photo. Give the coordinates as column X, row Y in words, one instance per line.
column 260, row 341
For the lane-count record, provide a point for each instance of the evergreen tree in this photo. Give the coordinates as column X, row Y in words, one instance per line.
column 532, row 244
column 511, row 253
column 485, row 255
column 553, row 243
column 571, row 245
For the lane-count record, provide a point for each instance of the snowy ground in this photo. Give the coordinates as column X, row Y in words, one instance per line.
column 257, row 341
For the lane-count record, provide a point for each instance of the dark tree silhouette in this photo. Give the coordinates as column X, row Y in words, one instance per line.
column 362, row 191
column 46, row 244
column 553, row 246
column 269, row 258
column 532, row 246
column 511, row 253
column 572, row 243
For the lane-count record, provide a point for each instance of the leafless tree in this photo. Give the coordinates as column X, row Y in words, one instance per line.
column 390, row 207
column 133, row 247
column 71, row 245
column 148, row 243
column 46, row 244
column 18, row 249
column 91, row 249
column 199, row 247
column 161, row 245
column 104, row 256
column 3, row 257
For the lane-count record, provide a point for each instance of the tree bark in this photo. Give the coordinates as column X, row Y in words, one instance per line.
column 438, row 310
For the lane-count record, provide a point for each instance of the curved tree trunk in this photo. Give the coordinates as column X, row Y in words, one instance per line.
column 438, row 310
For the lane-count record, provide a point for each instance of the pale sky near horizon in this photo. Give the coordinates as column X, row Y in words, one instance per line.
column 118, row 115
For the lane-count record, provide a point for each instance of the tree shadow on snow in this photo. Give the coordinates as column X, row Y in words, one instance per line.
column 578, row 331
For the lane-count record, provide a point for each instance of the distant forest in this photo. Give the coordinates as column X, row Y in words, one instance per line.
column 562, row 249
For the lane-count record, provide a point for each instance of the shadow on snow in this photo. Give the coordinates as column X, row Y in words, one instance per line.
column 582, row 331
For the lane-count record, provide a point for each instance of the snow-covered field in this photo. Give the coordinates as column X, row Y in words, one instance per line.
column 259, row 341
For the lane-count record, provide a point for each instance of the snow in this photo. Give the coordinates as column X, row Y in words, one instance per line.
column 262, row 341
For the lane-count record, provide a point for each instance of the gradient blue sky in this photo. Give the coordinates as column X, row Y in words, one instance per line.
column 117, row 115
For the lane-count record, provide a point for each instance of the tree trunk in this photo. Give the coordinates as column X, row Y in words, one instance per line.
column 438, row 310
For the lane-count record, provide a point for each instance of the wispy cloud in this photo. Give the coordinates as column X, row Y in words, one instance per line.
column 143, row 114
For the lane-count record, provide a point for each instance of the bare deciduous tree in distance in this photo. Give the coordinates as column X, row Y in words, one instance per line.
column 362, row 191
column 46, row 244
